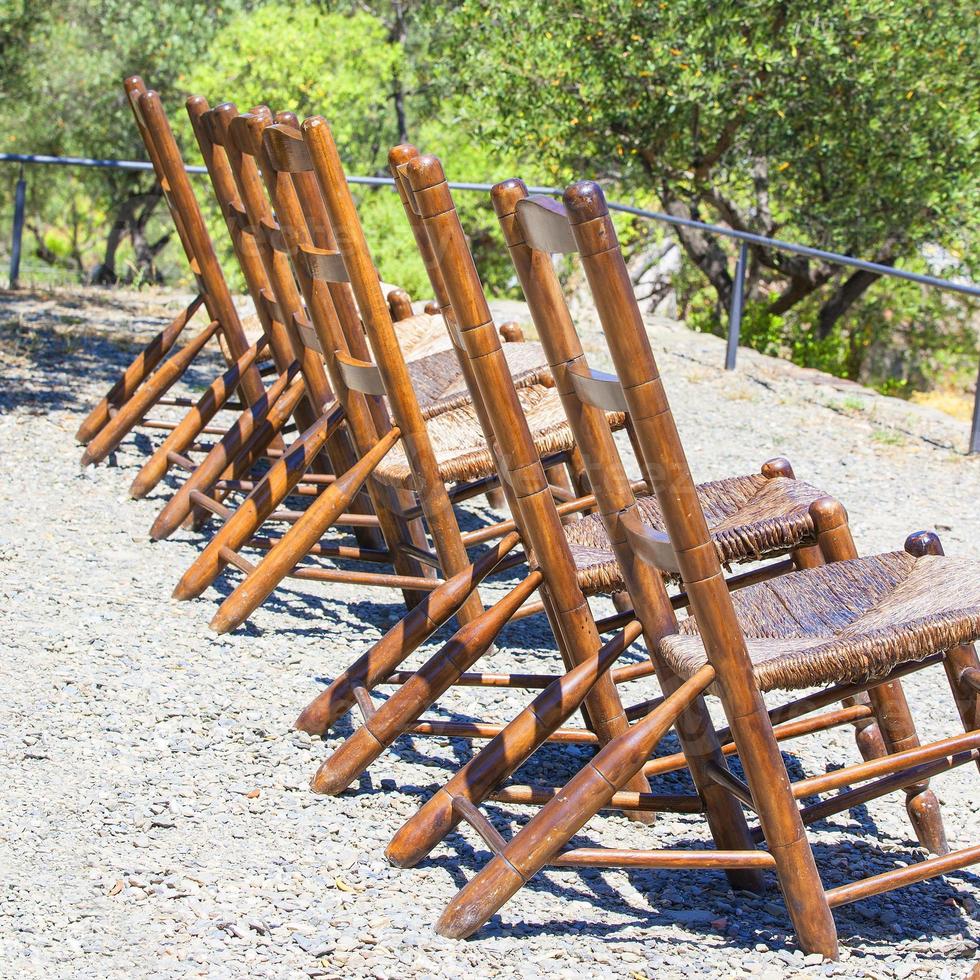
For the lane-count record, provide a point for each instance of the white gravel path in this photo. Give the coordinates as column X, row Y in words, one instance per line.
column 155, row 817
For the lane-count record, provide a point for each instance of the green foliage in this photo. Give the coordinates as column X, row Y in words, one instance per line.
column 295, row 56
column 62, row 95
column 861, row 111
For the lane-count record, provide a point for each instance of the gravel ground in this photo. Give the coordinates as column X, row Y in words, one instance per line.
column 156, row 817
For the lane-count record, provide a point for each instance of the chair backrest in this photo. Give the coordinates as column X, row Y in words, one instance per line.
column 154, row 129
column 322, row 276
column 135, row 88
column 464, row 306
column 534, row 229
column 284, row 302
column 308, row 156
column 210, row 128
column 687, row 546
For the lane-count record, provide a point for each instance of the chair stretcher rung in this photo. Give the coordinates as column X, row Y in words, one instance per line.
column 907, row 875
column 614, row 857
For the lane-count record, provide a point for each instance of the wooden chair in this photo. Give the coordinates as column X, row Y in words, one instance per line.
column 299, row 375
column 439, row 445
column 851, row 625
column 149, row 377
column 758, row 516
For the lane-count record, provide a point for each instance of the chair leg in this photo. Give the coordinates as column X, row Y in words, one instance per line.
column 136, row 373
column 267, row 495
column 151, row 391
column 896, row 729
column 554, row 825
column 189, row 428
column 278, row 402
column 401, row 641
column 959, row 660
column 297, row 541
column 503, row 754
column 421, row 691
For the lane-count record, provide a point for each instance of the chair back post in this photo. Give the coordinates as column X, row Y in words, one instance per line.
column 305, row 227
column 303, row 182
column 509, row 435
column 399, row 159
column 210, row 129
column 135, row 88
column 376, row 317
column 217, row 296
column 699, row 565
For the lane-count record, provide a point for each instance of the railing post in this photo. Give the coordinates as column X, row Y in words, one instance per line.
column 735, row 313
column 975, row 429
column 20, row 197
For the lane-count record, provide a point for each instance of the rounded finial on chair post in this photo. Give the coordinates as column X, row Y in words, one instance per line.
column 584, row 201
column 399, row 155
column 778, row 466
column 511, row 332
column 828, row 514
column 921, row 543
column 425, row 171
column 400, row 304
column 196, row 106
column 506, row 194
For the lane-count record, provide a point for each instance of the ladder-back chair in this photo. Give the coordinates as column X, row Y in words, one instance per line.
column 849, row 625
column 534, row 229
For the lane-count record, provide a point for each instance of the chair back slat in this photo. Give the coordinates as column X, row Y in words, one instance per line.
column 323, row 263
column 545, row 225
column 271, row 305
column 307, row 332
column 598, row 388
column 361, row 376
column 653, row 546
column 273, row 234
column 287, row 149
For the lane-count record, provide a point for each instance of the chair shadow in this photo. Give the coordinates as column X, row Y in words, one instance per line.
column 58, row 357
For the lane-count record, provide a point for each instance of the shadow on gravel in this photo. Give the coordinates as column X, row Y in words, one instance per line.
column 703, row 904
column 42, row 363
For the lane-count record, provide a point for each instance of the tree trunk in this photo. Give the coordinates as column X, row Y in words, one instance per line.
column 843, row 298
column 399, row 35
column 132, row 217
column 704, row 250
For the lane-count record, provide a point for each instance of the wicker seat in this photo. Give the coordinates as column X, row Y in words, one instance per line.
column 422, row 334
column 750, row 517
column 848, row 621
column 461, row 450
column 440, row 385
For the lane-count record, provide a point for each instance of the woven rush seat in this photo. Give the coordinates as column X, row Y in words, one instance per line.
column 461, row 451
column 440, row 386
column 847, row 621
column 422, row 334
column 750, row 517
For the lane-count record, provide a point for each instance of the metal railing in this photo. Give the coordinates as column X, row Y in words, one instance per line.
column 744, row 238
